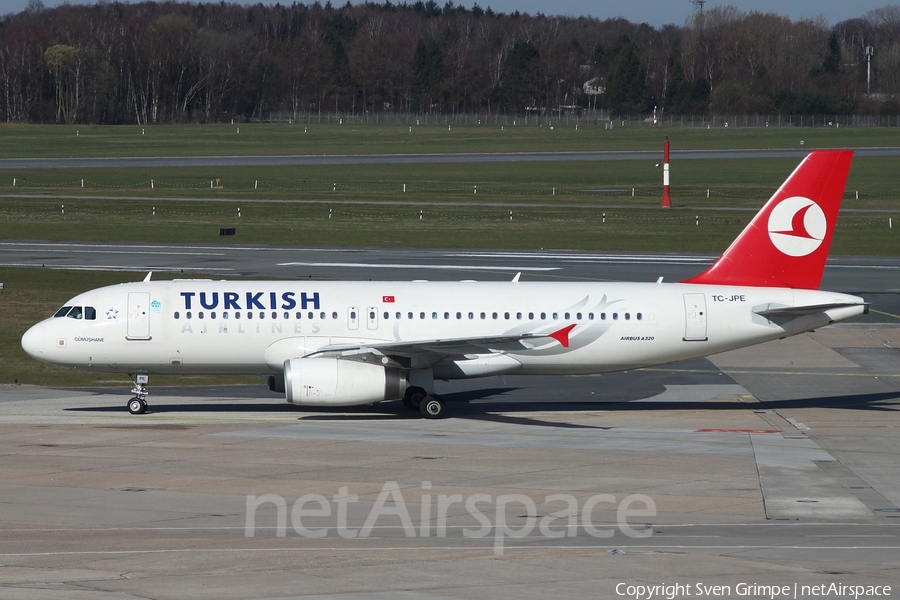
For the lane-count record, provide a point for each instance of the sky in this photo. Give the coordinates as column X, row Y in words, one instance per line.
column 654, row 12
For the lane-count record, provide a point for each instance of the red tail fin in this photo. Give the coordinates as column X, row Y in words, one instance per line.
column 786, row 244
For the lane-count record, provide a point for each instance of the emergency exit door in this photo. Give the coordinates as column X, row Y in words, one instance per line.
column 695, row 318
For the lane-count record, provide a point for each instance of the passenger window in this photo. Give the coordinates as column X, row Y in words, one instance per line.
column 199, row 315
column 387, row 315
column 334, row 315
column 602, row 316
column 249, row 315
column 555, row 316
column 89, row 313
column 262, row 315
column 519, row 316
column 177, row 315
column 237, row 315
column 224, row 315
column 434, row 315
column 287, row 315
column 494, row 315
column 543, row 316
column 188, row 315
column 471, row 316
column 567, row 316
column 352, row 315
column 421, row 315
column 640, row 316
column 590, row 316
column 506, row 316
column 299, row 315
column 63, row 311
column 530, row 316
column 446, row 315
column 483, row 316
column 459, row 315
column 615, row 316
column 212, row 315
column 627, row 316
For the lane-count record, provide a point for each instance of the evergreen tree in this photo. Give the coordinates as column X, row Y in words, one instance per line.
column 627, row 81
column 521, row 74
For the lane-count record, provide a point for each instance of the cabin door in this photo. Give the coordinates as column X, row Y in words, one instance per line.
column 138, row 316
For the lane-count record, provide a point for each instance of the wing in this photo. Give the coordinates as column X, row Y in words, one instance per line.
column 424, row 353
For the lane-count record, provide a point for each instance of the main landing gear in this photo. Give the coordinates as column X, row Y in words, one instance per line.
column 138, row 404
column 429, row 406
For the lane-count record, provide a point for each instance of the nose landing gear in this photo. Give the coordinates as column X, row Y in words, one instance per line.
column 138, row 404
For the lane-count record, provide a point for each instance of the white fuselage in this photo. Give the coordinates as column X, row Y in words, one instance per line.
column 200, row 326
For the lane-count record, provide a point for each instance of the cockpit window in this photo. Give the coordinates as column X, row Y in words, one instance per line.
column 88, row 313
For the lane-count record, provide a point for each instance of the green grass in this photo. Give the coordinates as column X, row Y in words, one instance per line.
column 555, row 205
column 56, row 141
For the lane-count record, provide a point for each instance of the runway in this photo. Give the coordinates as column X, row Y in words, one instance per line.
column 775, row 465
column 395, row 159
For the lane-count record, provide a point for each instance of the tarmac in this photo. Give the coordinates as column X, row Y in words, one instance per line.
column 770, row 466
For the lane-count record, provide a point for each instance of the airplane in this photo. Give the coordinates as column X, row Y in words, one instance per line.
column 350, row 343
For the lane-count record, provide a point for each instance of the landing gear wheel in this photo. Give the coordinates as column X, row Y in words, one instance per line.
column 433, row 407
column 413, row 397
column 137, row 406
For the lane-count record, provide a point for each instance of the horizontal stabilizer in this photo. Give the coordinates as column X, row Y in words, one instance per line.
column 774, row 310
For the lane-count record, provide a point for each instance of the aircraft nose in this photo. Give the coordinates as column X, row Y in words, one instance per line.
column 33, row 341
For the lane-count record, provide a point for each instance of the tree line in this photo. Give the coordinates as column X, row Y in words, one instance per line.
column 170, row 62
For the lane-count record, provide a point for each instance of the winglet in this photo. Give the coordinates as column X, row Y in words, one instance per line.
column 562, row 336
column 149, row 275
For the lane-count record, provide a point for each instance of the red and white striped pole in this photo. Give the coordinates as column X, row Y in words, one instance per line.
column 666, row 199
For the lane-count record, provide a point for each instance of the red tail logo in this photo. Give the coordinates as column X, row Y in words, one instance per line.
column 787, row 243
column 797, row 226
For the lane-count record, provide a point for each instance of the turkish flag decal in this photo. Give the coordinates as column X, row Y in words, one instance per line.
column 387, row 299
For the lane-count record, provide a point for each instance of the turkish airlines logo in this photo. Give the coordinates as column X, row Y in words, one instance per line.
column 797, row 226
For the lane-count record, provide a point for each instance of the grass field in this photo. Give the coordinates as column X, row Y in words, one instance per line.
column 560, row 205
column 554, row 205
column 49, row 141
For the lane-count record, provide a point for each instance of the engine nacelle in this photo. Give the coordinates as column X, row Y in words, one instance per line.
column 335, row 382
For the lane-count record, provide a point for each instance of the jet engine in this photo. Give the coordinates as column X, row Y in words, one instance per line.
column 335, row 382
